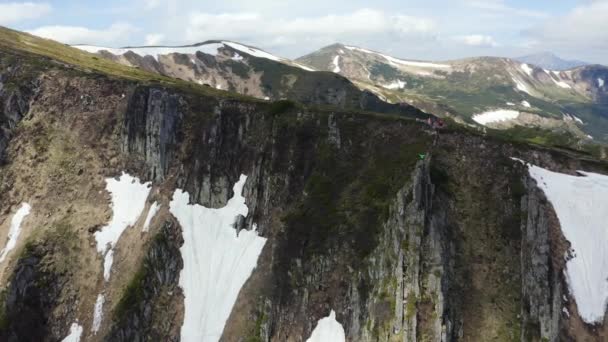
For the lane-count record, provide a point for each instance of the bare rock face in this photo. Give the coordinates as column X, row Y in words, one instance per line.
column 17, row 87
column 150, row 126
column 153, row 295
column 541, row 285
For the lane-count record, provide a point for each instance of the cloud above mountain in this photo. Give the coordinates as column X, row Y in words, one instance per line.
column 479, row 40
column 83, row 35
column 584, row 28
column 422, row 29
column 13, row 12
column 330, row 27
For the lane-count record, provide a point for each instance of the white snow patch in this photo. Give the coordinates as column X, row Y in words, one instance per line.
column 589, row 136
column 569, row 117
column 394, row 61
column 527, row 69
column 108, row 259
column 600, row 82
column 519, row 160
column 328, row 330
column 128, row 202
column 98, row 313
column 301, row 66
column 341, row 51
column 566, row 312
column 217, row 262
column 154, row 51
column 75, row 333
column 398, row 84
column 495, row 116
column 151, row 212
column 526, row 104
column 558, row 80
column 267, row 98
column 336, row 64
column 15, row 229
column 218, row 86
column 582, row 210
column 510, row 104
column 253, row 51
column 521, row 86
column 562, row 84
column 237, row 57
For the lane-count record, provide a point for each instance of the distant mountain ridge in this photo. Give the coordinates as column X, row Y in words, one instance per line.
column 574, row 100
column 355, row 77
column 548, row 60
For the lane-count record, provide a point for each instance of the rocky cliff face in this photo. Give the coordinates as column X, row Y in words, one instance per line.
column 406, row 233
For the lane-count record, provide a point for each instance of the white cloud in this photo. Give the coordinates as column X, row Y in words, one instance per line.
column 204, row 26
column 116, row 33
column 13, row 12
column 154, row 38
column 585, row 27
column 151, row 4
column 478, row 40
column 499, row 7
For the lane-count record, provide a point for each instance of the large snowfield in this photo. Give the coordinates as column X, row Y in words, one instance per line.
column 128, row 202
column 328, row 330
column 15, row 230
column 581, row 204
column 217, row 262
column 495, row 116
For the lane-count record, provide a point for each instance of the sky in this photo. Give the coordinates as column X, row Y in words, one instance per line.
column 417, row 29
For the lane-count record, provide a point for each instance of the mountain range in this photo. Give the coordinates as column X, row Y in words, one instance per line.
column 139, row 202
column 548, row 60
column 508, row 92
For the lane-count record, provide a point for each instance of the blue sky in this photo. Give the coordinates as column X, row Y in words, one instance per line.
column 421, row 29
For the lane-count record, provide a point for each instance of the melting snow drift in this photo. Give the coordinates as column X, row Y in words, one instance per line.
column 336, row 64
column 128, row 202
column 217, row 262
column 582, row 209
column 495, row 116
column 398, row 84
column 75, row 333
column 328, row 330
column 527, row 69
column 15, row 229
column 98, row 313
column 151, row 212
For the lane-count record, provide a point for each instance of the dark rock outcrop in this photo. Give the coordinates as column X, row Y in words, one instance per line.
column 152, row 300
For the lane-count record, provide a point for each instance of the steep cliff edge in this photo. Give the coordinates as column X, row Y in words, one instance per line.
column 406, row 233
